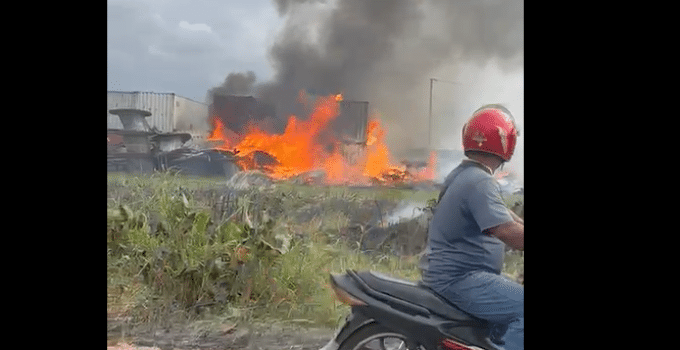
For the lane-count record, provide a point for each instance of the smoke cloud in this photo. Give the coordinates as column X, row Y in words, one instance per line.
column 283, row 5
column 384, row 52
column 234, row 84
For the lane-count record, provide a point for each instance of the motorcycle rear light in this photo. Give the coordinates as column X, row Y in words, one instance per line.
column 346, row 298
column 449, row 344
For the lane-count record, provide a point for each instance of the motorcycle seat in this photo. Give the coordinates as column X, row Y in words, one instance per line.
column 416, row 294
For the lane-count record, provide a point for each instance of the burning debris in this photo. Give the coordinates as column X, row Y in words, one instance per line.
column 315, row 144
column 335, row 144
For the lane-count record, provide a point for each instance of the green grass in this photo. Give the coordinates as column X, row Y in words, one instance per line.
column 176, row 251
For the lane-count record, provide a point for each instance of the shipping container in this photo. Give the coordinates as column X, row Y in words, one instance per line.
column 352, row 121
column 191, row 116
column 236, row 111
column 169, row 112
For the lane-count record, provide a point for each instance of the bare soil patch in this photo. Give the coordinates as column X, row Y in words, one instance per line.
column 274, row 336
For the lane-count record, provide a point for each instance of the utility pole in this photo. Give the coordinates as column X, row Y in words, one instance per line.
column 429, row 134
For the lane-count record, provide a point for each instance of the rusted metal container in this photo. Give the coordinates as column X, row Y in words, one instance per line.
column 350, row 125
column 235, row 111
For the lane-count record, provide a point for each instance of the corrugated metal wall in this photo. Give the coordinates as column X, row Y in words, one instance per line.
column 161, row 106
column 191, row 116
column 235, row 111
column 352, row 120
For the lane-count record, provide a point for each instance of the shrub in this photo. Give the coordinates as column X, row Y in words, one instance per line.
column 181, row 248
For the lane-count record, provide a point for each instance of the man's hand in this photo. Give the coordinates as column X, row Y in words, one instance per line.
column 511, row 233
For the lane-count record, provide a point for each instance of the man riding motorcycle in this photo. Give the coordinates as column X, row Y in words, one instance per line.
column 471, row 226
column 462, row 302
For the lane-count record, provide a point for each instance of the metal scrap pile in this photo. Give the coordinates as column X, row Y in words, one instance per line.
column 139, row 148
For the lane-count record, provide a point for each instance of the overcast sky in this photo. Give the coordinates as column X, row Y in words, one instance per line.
column 189, row 47
column 186, row 47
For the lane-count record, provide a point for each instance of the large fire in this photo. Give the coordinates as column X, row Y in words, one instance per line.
column 309, row 145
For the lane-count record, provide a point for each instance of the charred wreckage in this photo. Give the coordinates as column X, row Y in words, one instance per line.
column 140, row 148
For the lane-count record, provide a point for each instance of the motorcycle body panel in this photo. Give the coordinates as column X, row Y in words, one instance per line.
column 409, row 309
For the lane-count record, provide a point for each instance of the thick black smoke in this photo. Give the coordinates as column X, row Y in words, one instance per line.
column 235, row 84
column 382, row 51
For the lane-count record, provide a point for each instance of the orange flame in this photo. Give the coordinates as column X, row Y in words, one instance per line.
column 218, row 131
column 308, row 145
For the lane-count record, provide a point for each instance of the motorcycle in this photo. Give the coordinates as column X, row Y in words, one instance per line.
column 390, row 313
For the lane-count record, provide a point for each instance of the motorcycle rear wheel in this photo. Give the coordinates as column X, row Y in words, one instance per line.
column 376, row 337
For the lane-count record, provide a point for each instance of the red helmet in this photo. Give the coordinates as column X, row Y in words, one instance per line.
column 491, row 129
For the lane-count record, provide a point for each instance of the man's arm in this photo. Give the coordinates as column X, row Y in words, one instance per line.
column 511, row 233
column 515, row 217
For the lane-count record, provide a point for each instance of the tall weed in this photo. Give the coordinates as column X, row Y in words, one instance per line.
column 182, row 248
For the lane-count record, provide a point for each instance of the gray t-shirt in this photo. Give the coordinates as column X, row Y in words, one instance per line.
column 470, row 203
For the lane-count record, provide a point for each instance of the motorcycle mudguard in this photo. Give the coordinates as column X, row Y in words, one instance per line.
column 353, row 322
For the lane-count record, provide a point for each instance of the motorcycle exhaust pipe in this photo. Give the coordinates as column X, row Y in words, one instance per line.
column 449, row 344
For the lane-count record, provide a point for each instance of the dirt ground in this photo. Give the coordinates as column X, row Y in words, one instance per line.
column 275, row 336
